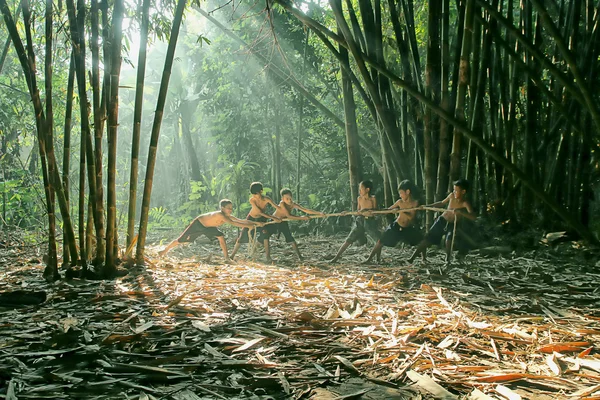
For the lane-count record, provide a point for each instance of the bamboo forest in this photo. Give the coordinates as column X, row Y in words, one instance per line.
column 299, row 199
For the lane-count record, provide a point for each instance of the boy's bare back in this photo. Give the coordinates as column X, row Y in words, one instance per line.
column 212, row 219
column 259, row 204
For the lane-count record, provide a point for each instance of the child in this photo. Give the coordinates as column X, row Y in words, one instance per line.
column 362, row 225
column 401, row 230
column 285, row 211
column 257, row 213
column 443, row 227
column 206, row 224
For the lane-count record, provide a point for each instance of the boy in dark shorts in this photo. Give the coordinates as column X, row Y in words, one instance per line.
column 286, row 206
column 257, row 213
column 206, row 224
column 363, row 225
column 402, row 229
column 459, row 209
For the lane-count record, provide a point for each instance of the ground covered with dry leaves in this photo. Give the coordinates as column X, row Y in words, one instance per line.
column 521, row 325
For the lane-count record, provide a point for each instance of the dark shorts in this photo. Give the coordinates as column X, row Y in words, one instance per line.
column 281, row 227
column 196, row 229
column 244, row 237
column 395, row 234
column 363, row 227
column 442, row 229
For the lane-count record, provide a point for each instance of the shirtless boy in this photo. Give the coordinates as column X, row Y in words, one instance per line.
column 206, row 224
column 286, row 206
column 257, row 213
column 458, row 208
column 363, row 224
column 401, row 230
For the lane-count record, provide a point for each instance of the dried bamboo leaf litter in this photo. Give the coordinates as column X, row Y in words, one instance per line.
column 526, row 327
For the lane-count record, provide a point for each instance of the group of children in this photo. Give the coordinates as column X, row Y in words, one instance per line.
column 404, row 229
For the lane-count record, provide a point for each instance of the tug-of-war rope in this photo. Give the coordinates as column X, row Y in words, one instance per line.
column 368, row 213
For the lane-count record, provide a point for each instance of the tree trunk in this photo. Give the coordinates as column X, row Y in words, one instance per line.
column 99, row 116
column 432, row 82
column 83, row 249
column 113, row 125
column 137, row 121
column 568, row 56
column 277, row 151
column 463, row 81
column 351, row 129
column 76, row 29
column 27, row 64
column 7, row 42
column 300, row 121
column 443, row 149
column 160, row 106
column 49, row 140
column 67, row 239
column 187, row 110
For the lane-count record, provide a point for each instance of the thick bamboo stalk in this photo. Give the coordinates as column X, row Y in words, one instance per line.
column 137, row 122
column 113, row 125
column 99, row 115
column 67, row 239
column 76, row 26
column 158, row 115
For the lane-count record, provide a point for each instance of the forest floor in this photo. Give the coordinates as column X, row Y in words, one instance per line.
column 522, row 325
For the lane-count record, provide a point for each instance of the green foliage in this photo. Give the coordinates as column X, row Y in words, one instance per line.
column 20, row 200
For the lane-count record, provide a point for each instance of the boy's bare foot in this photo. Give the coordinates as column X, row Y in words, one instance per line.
column 161, row 254
column 229, row 261
column 333, row 260
column 366, row 262
column 269, row 260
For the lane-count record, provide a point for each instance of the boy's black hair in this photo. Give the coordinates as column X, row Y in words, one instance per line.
column 256, row 187
column 285, row 191
column 406, row 185
column 225, row 203
column 368, row 185
column 463, row 184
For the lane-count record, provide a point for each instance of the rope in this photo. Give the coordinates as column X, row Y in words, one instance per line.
column 252, row 242
column 374, row 212
column 453, row 235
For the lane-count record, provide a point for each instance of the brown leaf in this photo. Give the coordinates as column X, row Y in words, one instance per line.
column 565, row 347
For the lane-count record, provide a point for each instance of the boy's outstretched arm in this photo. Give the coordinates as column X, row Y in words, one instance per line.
column 307, row 210
column 243, row 223
column 439, row 203
column 470, row 214
column 271, row 202
column 395, row 205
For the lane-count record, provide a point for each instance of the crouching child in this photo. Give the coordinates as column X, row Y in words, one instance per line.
column 207, row 225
